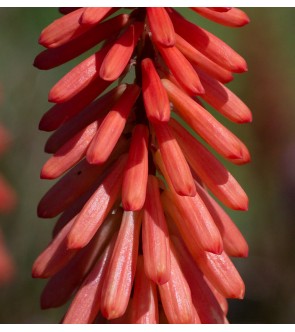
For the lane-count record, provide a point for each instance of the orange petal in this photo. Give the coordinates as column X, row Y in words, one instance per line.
column 53, row 57
column 233, row 241
column 136, row 170
column 155, row 97
column 120, row 53
column 69, row 278
column 211, row 46
column 70, row 153
column 121, row 271
column 96, row 110
column 63, row 30
column 224, row 100
column 234, row 17
column 160, row 26
column 86, row 303
column 55, row 256
column 78, row 78
column 221, row 272
column 203, row 298
column 155, row 236
column 112, row 127
column 145, row 299
column 98, row 206
column 70, row 187
column 175, row 163
column 212, row 131
column 93, row 15
column 198, row 59
column 176, row 296
column 60, row 113
column 182, row 69
column 215, row 176
column 193, row 221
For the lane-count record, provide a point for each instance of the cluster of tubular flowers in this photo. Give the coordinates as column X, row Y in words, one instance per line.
column 139, row 239
column 7, row 202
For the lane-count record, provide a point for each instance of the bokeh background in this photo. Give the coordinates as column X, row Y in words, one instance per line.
column 268, row 45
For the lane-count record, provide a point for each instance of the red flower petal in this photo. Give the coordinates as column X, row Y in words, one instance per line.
column 182, row 70
column 175, row 163
column 145, row 299
column 210, row 170
column 208, row 44
column 234, row 17
column 200, row 60
column 57, row 56
column 112, row 127
column 212, row 131
column 95, row 111
column 98, row 206
column 224, row 100
column 176, row 296
column 121, row 271
column 155, row 236
column 193, row 220
column 155, row 97
column 136, row 170
column 203, row 299
column 86, row 303
column 161, row 26
column 63, row 30
column 120, row 53
column 78, row 78
column 93, row 15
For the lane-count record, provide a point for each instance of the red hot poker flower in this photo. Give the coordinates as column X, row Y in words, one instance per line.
column 139, row 239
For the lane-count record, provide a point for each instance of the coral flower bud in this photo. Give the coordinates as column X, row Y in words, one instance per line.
column 69, row 278
column 161, row 26
column 78, row 78
column 182, row 70
column 204, row 300
column 233, row 241
column 97, row 207
column 221, row 272
column 121, row 271
column 53, row 57
column 86, row 303
column 57, row 254
column 70, row 187
column 93, row 15
column 234, row 17
column 63, row 29
column 210, row 170
column 212, row 131
column 145, row 299
column 120, row 53
column 70, row 153
column 136, row 170
column 155, row 237
column 95, row 111
column 224, row 100
column 155, row 97
column 199, row 60
column 211, row 46
column 112, row 127
column 61, row 113
column 176, row 296
column 175, row 162
column 193, row 221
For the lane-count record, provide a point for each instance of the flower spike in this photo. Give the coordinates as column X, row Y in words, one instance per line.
column 139, row 238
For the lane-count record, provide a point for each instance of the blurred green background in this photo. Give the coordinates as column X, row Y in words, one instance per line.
column 268, row 45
